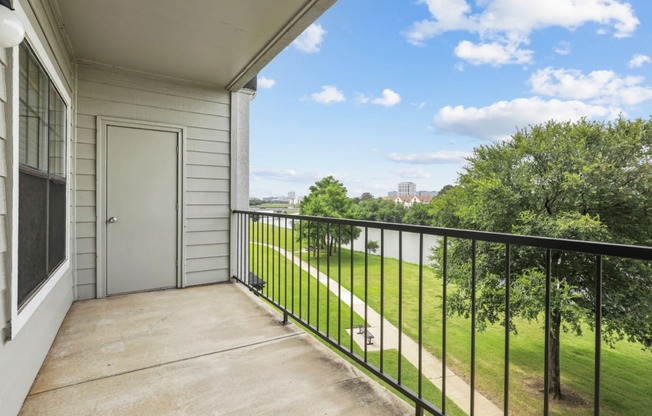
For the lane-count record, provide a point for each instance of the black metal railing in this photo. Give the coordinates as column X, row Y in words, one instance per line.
column 324, row 274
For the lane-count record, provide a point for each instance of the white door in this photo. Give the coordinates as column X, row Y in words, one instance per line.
column 141, row 209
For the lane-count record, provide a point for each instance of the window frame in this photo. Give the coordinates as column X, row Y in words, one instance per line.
column 20, row 315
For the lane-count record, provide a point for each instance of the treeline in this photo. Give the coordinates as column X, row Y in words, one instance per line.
column 328, row 198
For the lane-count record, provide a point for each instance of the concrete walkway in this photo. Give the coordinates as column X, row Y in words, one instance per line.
column 457, row 390
column 211, row 350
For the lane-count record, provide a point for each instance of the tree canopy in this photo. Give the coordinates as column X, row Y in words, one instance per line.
column 380, row 210
column 327, row 198
column 584, row 180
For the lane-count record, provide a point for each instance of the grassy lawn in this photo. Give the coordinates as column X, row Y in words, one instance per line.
column 626, row 370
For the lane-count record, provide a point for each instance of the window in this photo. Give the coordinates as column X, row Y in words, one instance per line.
column 42, row 177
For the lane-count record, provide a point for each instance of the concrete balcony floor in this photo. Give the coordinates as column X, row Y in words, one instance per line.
column 212, row 350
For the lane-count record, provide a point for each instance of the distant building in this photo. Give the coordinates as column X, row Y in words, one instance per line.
column 407, row 188
column 408, row 201
column 392, row 193
column 291, row 195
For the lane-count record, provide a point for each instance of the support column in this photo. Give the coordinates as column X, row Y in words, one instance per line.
column 240, row 177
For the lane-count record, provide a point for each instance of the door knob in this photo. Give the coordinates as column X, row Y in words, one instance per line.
column 112, row 220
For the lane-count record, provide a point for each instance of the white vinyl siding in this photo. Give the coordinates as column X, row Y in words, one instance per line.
column 204, row 112
column 5, row 293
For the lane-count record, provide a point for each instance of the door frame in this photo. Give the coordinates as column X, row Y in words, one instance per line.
column 103, row 123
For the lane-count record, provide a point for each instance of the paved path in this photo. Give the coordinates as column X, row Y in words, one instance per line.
column 457, row 389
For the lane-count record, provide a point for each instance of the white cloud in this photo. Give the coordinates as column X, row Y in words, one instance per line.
column 361, row 99
column 311, row 38
column 638, row 60
column 266, row 83
column 563, row 48
column 328, row 94
column 419, row 106
column 440, row 157
column 598, row 87
column 412, row 173
column 510, row 22
column 501, row 119
column 493, row 53
column 389, row 99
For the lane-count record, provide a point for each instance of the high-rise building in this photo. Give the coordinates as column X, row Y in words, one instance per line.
column 407, row 188
column 291, row 195
column 392, row 193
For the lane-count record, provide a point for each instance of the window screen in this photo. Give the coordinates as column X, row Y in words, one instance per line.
column 42, row 179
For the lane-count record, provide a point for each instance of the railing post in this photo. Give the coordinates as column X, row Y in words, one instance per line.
column 286, row 318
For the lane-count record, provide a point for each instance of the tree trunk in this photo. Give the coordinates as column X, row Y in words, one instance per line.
column 554, row 369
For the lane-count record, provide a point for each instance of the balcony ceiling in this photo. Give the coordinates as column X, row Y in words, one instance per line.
column 223, row 43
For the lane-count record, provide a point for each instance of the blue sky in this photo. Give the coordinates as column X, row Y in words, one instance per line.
column 378, row 92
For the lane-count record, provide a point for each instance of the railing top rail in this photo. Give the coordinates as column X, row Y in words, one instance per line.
column 588, row 247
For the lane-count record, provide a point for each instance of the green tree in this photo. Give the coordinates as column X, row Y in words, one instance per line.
column 583, row 180
column 372, row 246
column 255, row 202
column 366, row 196
column 380, row 210
column 327, row 198
column 419, row 214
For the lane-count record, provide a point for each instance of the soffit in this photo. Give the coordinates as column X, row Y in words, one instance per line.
column 217, row 42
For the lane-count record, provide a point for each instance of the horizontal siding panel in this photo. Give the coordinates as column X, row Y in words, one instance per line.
column 86, row 245
column 86, row 182
column 86, row 135
column 113, row 109
column 3, row 165
column 207, row 250
column 203, row 278
column 207, row 185
column 208, row 224
column 3, row 195
column 85, row 166
column 86, row 120
column 85, row 198
column 86, row 276
column 207, row 237
column 144, row 83
column 207, row 211
column 3, row 234
column 207, row 198
column 211, row 135
column 87, row 291
column 86, row 261
column 85, row 229
column 210, row 172
column 208, row 263
column 85, row 151
column 138, row 96
column 208, row 146
column 86, row 214
column 3, row 277
column 207, row 159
